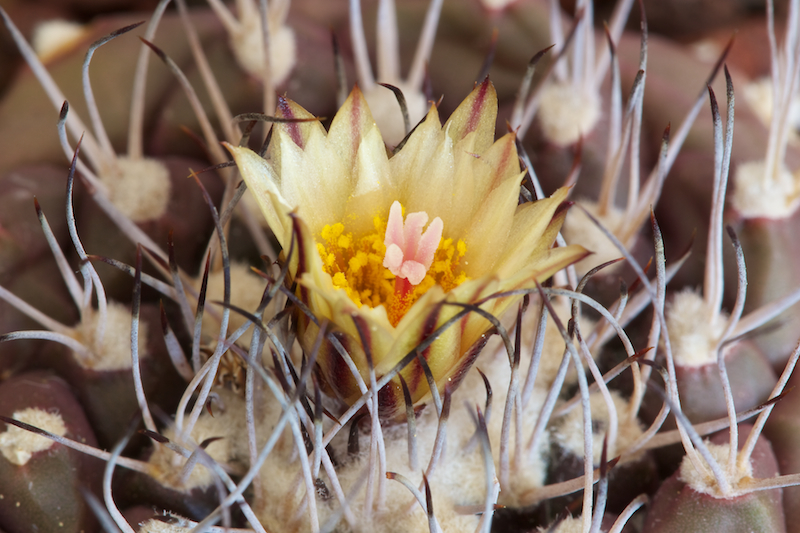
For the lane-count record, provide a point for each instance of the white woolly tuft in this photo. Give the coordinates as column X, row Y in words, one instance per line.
column 228, row 422
column 497, row 4
column 579, row 229
column 565, row 113
column 456, row 482
column 139, row 188
column 53, row 38
column 248, row 48
column 758, row 95
column 704, row 482
column 528, row 471
column 246, row 292
column 567, row 431
column 159, row 526
column 114, row 351
column 553, row 349
column 693, row 338
column 18, row 445
column 760, row 196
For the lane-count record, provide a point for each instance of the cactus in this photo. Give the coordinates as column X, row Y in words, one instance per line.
column 282, row 308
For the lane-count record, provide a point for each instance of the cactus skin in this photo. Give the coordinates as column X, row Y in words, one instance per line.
column 783, row 431
column 191, row 226
column 142, row 491
column 700, row 389
column 26, row 266
column 678, row 508
column 770, row 247
column 314, row 86
column 109, row 397
column 28, row 501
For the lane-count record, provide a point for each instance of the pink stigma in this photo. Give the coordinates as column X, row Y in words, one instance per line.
column 409, row 252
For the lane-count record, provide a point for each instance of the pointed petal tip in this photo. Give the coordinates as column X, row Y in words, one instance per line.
column 563, row 207
column 356, row 95
column 353, row 120
column 483, row 93
column 282, row 103
column 486, row 88
column 477, row 113
column 583, row 253
column 235, row 151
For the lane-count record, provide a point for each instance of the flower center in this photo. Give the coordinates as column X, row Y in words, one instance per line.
column 393, row 265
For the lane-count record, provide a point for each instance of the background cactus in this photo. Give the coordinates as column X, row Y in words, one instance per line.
column 585, row 409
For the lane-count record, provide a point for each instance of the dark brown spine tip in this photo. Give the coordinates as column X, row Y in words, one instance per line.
column 160, row 53
column 154, row 436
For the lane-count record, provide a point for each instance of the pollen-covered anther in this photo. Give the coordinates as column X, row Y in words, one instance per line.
column 409, row 251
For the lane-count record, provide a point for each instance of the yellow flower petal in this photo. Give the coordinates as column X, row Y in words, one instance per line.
column 341, row 185
column 349, row 127
column 314, row 180
column 298, row 132
column 530, row 222
column 476, row 114
column 490, row 224
column 373, row 191
column 263, row 183
column 502, row 160
column 423, row 170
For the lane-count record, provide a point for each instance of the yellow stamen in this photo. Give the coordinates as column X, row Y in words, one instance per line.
column 356, row 266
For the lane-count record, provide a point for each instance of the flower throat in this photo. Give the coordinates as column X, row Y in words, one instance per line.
column 393, row 265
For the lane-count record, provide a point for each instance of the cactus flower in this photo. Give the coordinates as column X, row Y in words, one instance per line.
column 386, row 244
